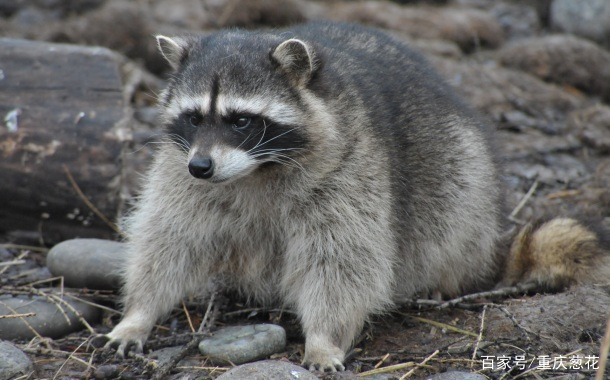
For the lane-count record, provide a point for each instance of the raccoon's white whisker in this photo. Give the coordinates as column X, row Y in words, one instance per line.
column 263, row 152
column 183, row 141
column 174, row 138
column 166, row 139
column 182, row 147
column 288, row 161
column 280, row 135
column 153, row 95
column 245, row 140
column 261, row 139
column 179, row 138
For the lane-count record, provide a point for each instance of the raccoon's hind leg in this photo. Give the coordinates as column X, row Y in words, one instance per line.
column 335, row 285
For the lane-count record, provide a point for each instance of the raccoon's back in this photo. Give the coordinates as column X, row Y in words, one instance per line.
column 436, row 153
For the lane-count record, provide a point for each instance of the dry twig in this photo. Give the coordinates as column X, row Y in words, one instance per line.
column 49, row 298
column 422, row 364
column 188, row 317
column 89, row 204
column 71, row 356
column 8, row 316
column 211, row 369
column 207, row 315
column 390, row 368
column 480, row 337
column 521, row 328
column 162, row 371
column 603, row 353
column 27, row 325
column 12, row 262
column 523, row 202
column 507, row 291
column 23, row 247
column 21, row 256
column 385, row 357
column 76, row 312
column 443, row 326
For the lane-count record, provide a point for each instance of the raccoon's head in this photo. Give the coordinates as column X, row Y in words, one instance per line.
column 238, row 102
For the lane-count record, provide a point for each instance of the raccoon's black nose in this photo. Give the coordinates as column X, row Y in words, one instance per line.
column 201, row 167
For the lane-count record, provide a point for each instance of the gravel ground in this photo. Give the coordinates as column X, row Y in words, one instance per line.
column 529, row 67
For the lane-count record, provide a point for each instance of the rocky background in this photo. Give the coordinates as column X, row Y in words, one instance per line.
column 538, row 70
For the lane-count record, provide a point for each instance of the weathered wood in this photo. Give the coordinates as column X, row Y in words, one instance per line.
column 59, row 105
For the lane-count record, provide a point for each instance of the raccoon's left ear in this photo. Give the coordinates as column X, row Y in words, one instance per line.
column 174, row 49
column 297, row 59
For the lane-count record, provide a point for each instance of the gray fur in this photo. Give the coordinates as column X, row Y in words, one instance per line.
column 396, row 193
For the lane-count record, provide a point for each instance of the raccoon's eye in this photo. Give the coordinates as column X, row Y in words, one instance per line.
column 242, row 122
column 195, row 119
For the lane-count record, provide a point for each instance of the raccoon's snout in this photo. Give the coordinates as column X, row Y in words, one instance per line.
column 201, row 167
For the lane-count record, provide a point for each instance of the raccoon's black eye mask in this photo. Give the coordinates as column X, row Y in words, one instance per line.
column 239, row 121
column 194, row 118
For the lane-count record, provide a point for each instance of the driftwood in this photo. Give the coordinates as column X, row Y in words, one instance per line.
column 62, row 127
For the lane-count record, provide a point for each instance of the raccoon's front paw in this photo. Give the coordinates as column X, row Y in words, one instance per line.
column 322, row 355
column 125, row 337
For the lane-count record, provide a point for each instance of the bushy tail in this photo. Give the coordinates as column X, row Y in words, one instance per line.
column 558, row 253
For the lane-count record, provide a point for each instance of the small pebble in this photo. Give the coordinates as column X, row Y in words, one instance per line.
column 108, row 371
column 241, row 344
column 457, row 375
column 268, row 369
column 49, row 321
column 88, row 263
column 13, row 362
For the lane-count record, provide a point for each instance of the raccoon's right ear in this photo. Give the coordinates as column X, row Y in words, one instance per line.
column 297, row 59
column 174, row 49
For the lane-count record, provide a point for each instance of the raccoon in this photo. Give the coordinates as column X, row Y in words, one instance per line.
column 325, row 167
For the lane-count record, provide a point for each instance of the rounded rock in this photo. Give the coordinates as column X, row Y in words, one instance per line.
column 108, row 371
column 88, row 263
column 14, row 362
column 457, row 375
column 585, row 18
column 268, row 369
column 48, row 321
column 241, row 344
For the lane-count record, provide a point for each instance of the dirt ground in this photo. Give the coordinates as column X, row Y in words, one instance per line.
column 546, row 92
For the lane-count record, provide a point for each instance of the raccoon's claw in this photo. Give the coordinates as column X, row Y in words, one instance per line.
column 321, row 355
column 335, row 366
column 124, row 347
column 124, row 338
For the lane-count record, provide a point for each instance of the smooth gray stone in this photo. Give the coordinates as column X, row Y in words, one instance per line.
column 240, row 344
column 49, row 321
column 268, row 369
column 457, row 375
column 88, row 263
column 585, row 18
column 13, row 362
column 107, row 371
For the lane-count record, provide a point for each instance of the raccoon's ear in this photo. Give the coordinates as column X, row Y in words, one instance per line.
column 174, row 49
column 297, row 59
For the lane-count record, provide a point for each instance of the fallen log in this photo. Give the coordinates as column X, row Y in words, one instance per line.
column 63, row 127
